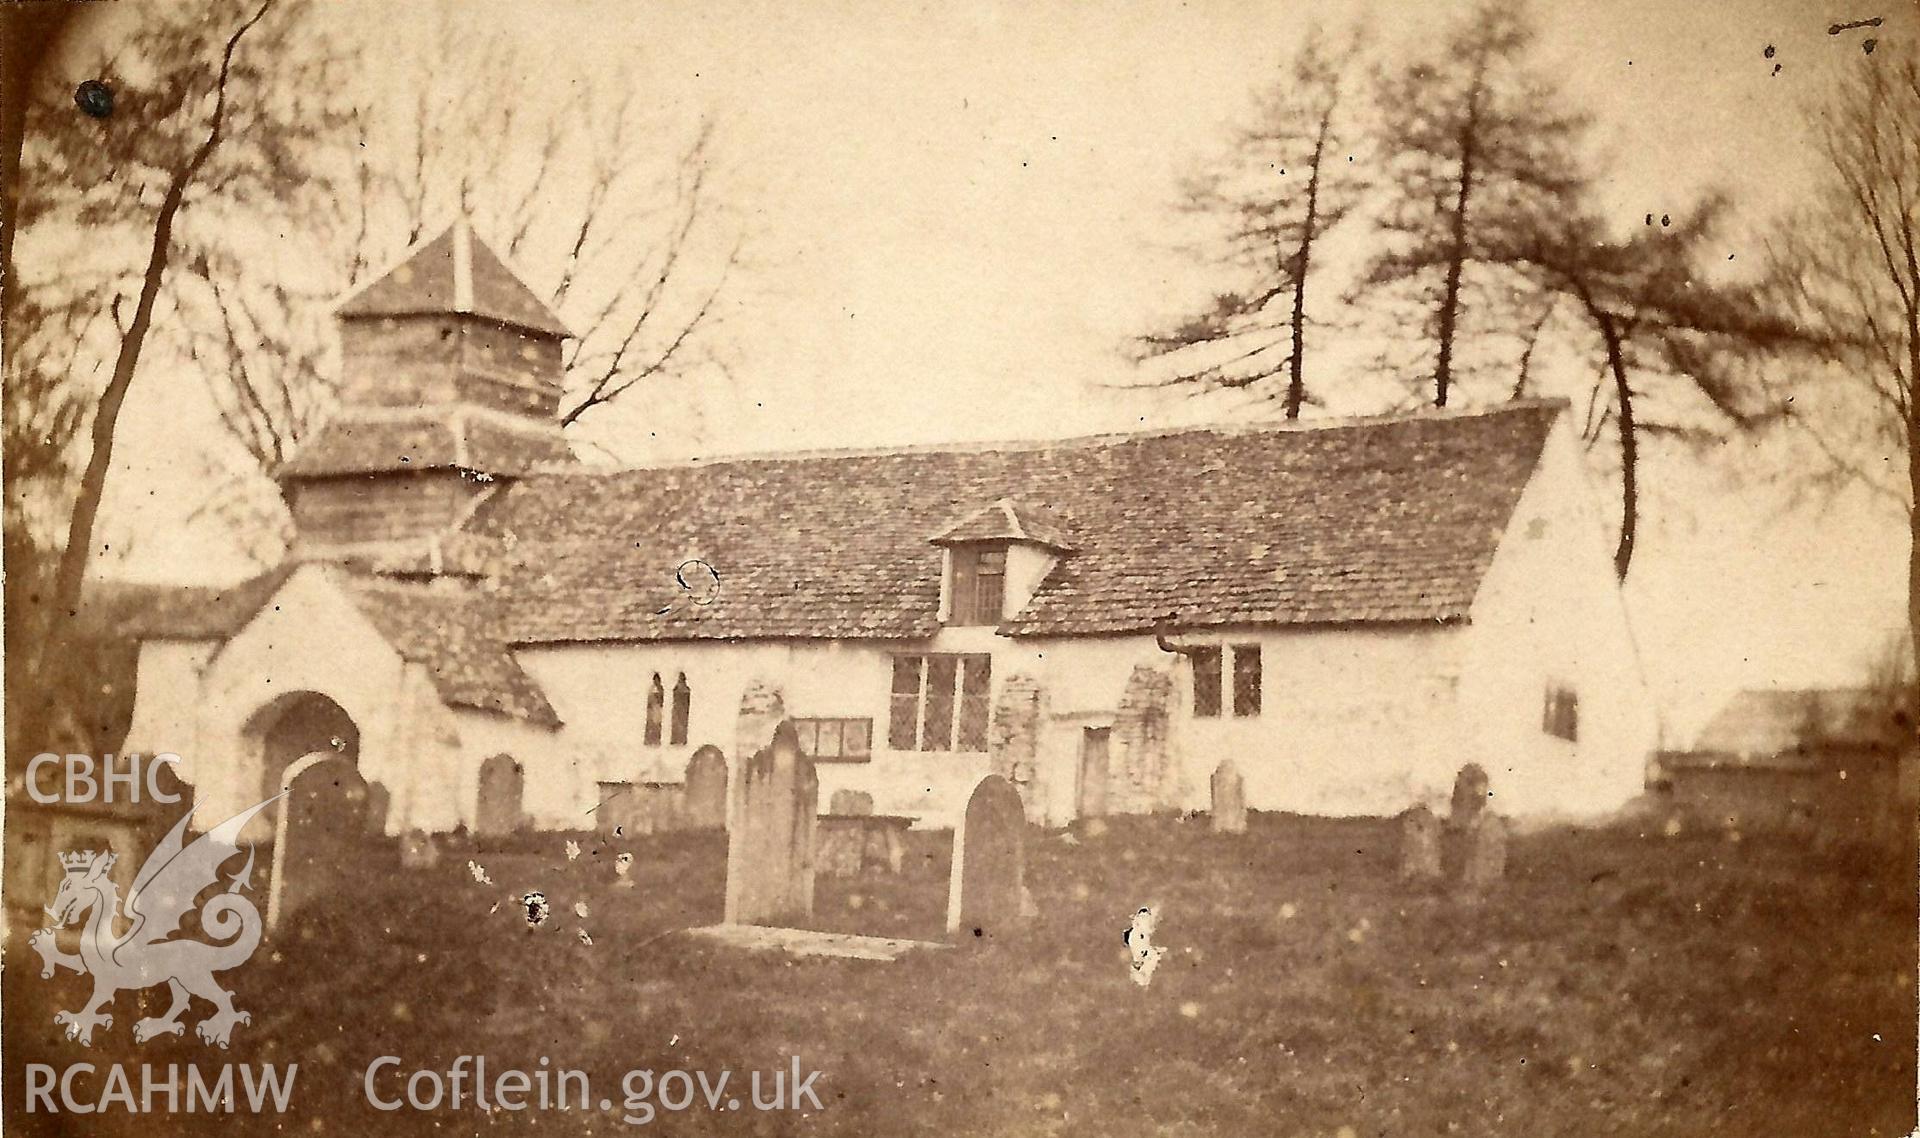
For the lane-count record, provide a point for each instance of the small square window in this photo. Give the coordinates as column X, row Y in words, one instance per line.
column 1561, row 715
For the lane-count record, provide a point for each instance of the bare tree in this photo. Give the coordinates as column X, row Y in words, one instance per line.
column 159, row 159
column 618, row 227
column 1272, row 200
column 1848, row 268
column 1474, row 150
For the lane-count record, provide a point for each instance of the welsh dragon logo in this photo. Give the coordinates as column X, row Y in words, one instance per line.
column 142, row 956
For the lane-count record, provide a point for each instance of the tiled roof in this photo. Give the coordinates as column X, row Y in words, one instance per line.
column 181, row 612
column 426, row 440
column 1006, row 520
column 454, row 272
column 1767, row 721
column 1392, row 520
column 451, row 632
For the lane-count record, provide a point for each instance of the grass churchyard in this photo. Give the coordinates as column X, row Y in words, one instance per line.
column 1641, row 981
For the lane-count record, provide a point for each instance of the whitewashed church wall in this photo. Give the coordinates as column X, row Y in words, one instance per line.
column 1550, row 612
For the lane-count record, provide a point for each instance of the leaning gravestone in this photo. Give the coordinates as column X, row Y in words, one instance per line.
column 1229, row 799
column 1419, row 844
column 1470, row 790
column 989, row 861
column 320, row 840
column 770, row 844
column 706, row 789
column 1486, row 854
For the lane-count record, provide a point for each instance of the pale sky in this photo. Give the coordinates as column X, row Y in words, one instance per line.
column 958, row 212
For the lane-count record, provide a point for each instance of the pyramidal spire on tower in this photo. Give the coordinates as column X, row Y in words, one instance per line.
column 451, row 381
column 455, row 273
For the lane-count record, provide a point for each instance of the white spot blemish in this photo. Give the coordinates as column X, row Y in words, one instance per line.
column 1139, row 937
column 479, row 873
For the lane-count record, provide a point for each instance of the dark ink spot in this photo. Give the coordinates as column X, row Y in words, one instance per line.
column 94, row 98
column 536, row 903
column 1867, row 45
column 977, row 932
column 1836, row 29
column 1769, row 52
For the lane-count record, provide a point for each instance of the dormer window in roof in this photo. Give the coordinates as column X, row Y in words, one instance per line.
column 996, row 558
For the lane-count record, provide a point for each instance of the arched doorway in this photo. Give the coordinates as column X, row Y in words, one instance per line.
column 502, row 783
column 299, row 724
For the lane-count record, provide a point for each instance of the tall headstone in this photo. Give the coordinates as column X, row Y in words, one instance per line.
column 320, row 840
column 1014, row 738
column 706, row 789
column 770, row 842
column 1486, row 853
column 1143, row 778
column 1229, row 799
column 989, row 862
column 762, row 708
column 1471, row 788
column 1419, row 845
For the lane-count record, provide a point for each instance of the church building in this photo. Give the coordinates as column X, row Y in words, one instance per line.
column 503, row 637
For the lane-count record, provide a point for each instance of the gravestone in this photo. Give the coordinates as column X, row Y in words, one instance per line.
column 1419, row 845
column 1014, row 738
column 320, row 838
column 1470, row 790
column 379, row 801
column 1486, row 853
column 770, row 844
column 762, row 709
column 1229, row 799
column 502, row 787
column 851, row 802
column 418, row 850
column 706, row 789
column 989, row 862
column 632, row 808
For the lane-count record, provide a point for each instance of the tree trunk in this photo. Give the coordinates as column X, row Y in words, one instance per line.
column 1457, row 250
column 1297, row 377
column 1913, row 521
column 71, row 573
column 1629, row 453
column 1612, row 337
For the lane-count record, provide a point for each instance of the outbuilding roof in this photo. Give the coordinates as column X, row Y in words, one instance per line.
column 1772, row 721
